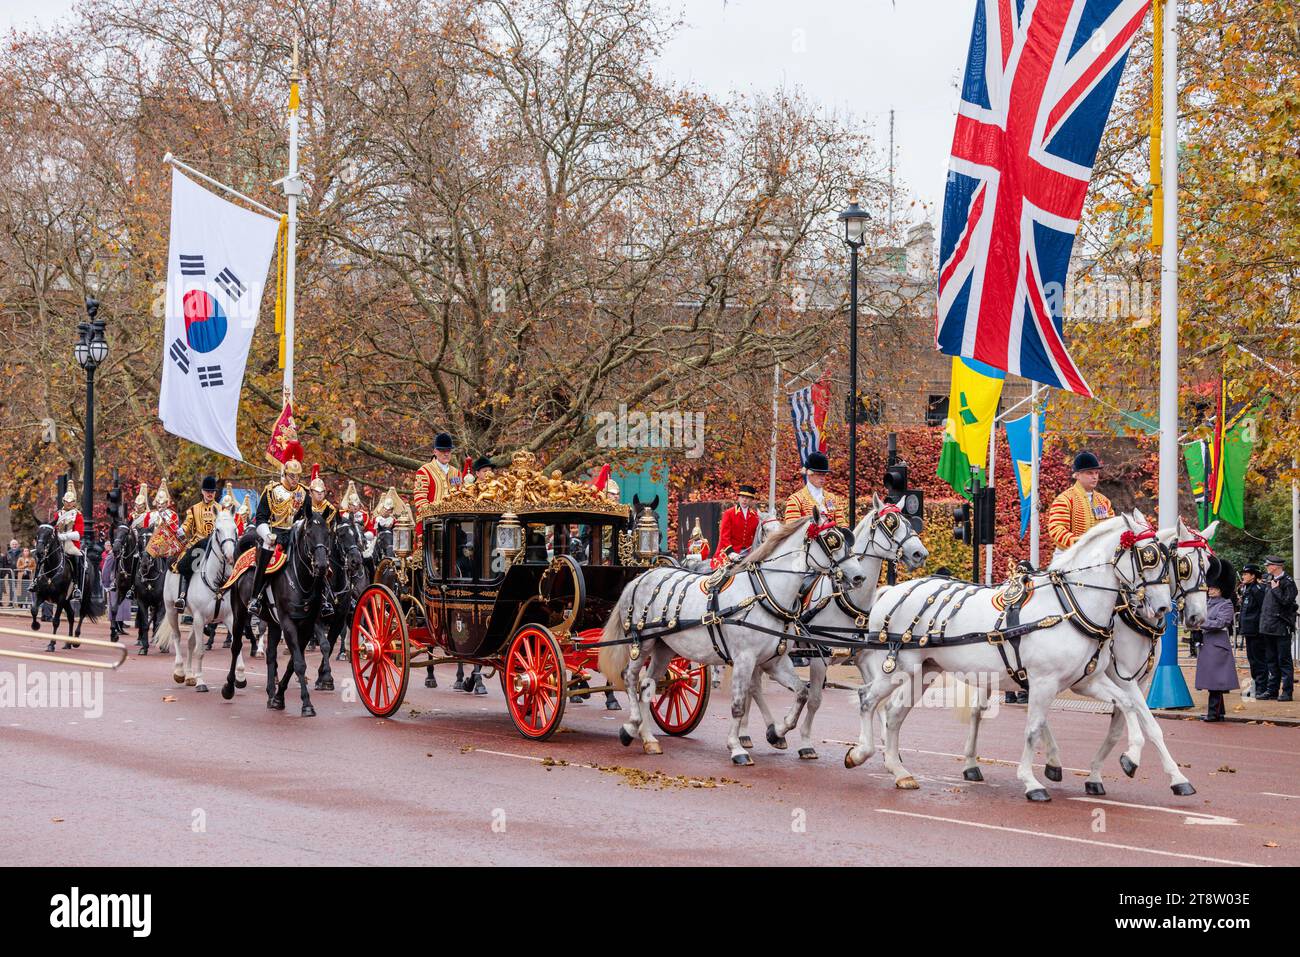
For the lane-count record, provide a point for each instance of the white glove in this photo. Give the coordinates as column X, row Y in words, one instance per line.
column 264, row 532
column 65, row 536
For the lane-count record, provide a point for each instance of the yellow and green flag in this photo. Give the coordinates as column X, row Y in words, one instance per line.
column 972, row 407
column 1217, row 467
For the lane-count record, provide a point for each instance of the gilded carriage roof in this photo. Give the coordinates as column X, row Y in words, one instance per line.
column 524, row 489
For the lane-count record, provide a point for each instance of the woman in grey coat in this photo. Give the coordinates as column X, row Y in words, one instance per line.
column 1216, row 669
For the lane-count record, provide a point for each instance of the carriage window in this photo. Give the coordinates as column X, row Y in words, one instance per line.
column 433, row 550
column 536, row 545
column 494, row 563
column 460, row 554
column 577, row 542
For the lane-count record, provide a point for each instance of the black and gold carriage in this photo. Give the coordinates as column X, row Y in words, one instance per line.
column 517, row 573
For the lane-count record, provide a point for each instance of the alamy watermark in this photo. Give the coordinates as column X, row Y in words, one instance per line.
column 651, row 430
column 76, row 690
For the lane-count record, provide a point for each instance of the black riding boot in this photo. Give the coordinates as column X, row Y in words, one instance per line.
column 78, row 576
column 184, row 586
column 259, row 579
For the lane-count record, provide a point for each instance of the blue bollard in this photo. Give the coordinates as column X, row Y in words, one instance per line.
column 1168, row 686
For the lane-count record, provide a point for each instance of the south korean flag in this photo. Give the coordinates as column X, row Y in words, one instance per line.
column 216, row 269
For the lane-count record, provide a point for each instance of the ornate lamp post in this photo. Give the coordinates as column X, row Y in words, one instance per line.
column 855, row 220
column 91, row 350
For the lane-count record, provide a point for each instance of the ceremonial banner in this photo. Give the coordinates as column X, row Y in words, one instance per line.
column 1040, row 80
column 808, row 409
column 217, row 261
column 284, row 444
column 1020, row 445
column 972, row 407
column 1217, row 468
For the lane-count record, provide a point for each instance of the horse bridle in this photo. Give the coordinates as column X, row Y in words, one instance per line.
column 52, row 543
column 203, row 559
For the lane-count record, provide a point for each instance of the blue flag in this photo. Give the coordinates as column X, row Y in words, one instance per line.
column 1020, row 446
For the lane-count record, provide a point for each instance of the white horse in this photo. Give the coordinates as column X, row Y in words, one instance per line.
column 1131, row 652
column 746, row 620
column 955, row 627
column 205, row 603
column 884, row 534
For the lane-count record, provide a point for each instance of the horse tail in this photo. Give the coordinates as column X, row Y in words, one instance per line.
column 613, row 659
column 163, row 640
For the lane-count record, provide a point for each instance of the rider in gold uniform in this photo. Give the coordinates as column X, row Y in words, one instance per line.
column 274, row 519
column 199, row 520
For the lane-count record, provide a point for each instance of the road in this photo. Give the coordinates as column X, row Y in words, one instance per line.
column 165, row 775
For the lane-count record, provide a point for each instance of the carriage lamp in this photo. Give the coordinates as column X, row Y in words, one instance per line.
column 647, row 535
column 510, row 537
column 403, row 535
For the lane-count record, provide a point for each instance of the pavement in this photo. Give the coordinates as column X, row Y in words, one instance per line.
column 156, row 773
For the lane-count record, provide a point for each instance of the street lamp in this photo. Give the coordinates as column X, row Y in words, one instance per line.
column 855, row 220
column 91, row 350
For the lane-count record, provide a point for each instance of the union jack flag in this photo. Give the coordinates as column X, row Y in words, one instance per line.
column 1040, row 79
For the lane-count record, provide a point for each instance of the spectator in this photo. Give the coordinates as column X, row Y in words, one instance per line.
column 1216, row 669
column 1276, row 620
column 8, row 572
column 1251, row 597
column 25, row 567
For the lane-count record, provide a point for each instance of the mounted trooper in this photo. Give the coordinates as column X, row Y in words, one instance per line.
column 320, row 503
column 199, row 520
column 70, row 526
column 273, row 522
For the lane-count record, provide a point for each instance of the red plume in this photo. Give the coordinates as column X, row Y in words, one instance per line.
column 315, row 472
column 602, row 479
column 468, row 464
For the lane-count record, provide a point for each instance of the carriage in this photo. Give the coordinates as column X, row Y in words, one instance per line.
column 517, row 573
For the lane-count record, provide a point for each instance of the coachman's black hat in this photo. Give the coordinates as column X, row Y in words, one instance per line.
column 1085, row 461
column 443, row 442
column 483, row 462
column 817, row 462
column 209, row 483
column 746, row 490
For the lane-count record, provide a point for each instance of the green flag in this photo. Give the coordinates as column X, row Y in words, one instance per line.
column 972, row 407
column 1230, row 490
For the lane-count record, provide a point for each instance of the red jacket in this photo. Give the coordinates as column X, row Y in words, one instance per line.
column 737, row 530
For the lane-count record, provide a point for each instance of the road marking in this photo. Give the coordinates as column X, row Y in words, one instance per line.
column 949, row 754
column 1272, row 794
column 1190, row 817
column 1063, row 837
column 507, row 754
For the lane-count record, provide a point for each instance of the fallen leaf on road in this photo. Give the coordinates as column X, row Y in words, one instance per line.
column 59, row 820
column 1182, row 765
column 168, row 698
column 1224, row 767
column 1270, row 843
column 466, row 748
column 428, row 754
column 1080, row 774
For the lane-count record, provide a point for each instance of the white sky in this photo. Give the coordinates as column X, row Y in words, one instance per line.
column 863, row 57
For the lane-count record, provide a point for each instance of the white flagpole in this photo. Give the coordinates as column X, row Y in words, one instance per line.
column 771, row 468
column 292, row 190
column 1033, row 476
column 1169, row 278
column 993, row 453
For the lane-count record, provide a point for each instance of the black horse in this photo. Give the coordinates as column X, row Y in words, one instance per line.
column 148, row 575
column 289, row 607
column 122, row 544
column 347, row 580
column 54, row 583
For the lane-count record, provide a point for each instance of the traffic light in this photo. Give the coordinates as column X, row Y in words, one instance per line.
column 896, row 482
column 986, row 512
column 961, row 522
column 115, row 515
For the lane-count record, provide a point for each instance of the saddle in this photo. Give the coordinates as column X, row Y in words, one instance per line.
column 248, row 559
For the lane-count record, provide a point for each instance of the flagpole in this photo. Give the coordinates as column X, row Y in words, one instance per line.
column 771, row 466
column 993, row 453
column 1168, row 686
column 292, row 190
column 1033, row 476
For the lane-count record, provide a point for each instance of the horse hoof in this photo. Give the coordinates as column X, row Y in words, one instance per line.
column 191, row 682
column 623, row 737
column 1038, row 795
column 241, row 683
column 179, row 679
column 1053, row 772
column 308, row 711
column 849, row 761
column 1183, row 788
column 973, row 774
column 36, row 626
column 201, row 689
column 652, row 747
column 807, row 754
column 1127, row 765
column 746, row 741
column 744, row 760
column 774, row 739
column 275, row 704
column 1095, row 788
column 611, row 704
column 907, row 784
column 227, row 692
column 431, row 682
column 50, row 646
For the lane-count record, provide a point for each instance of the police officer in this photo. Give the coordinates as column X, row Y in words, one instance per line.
column 1276, row 620
column 1251, row 602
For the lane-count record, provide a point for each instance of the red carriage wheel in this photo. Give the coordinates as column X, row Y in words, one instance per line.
column 534, row 679
column 380, row 651
column 681, row 706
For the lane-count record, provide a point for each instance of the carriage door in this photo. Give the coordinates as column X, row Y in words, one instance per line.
column 460, row 610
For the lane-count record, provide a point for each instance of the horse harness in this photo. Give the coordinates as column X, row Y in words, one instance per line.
column 828, row 537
